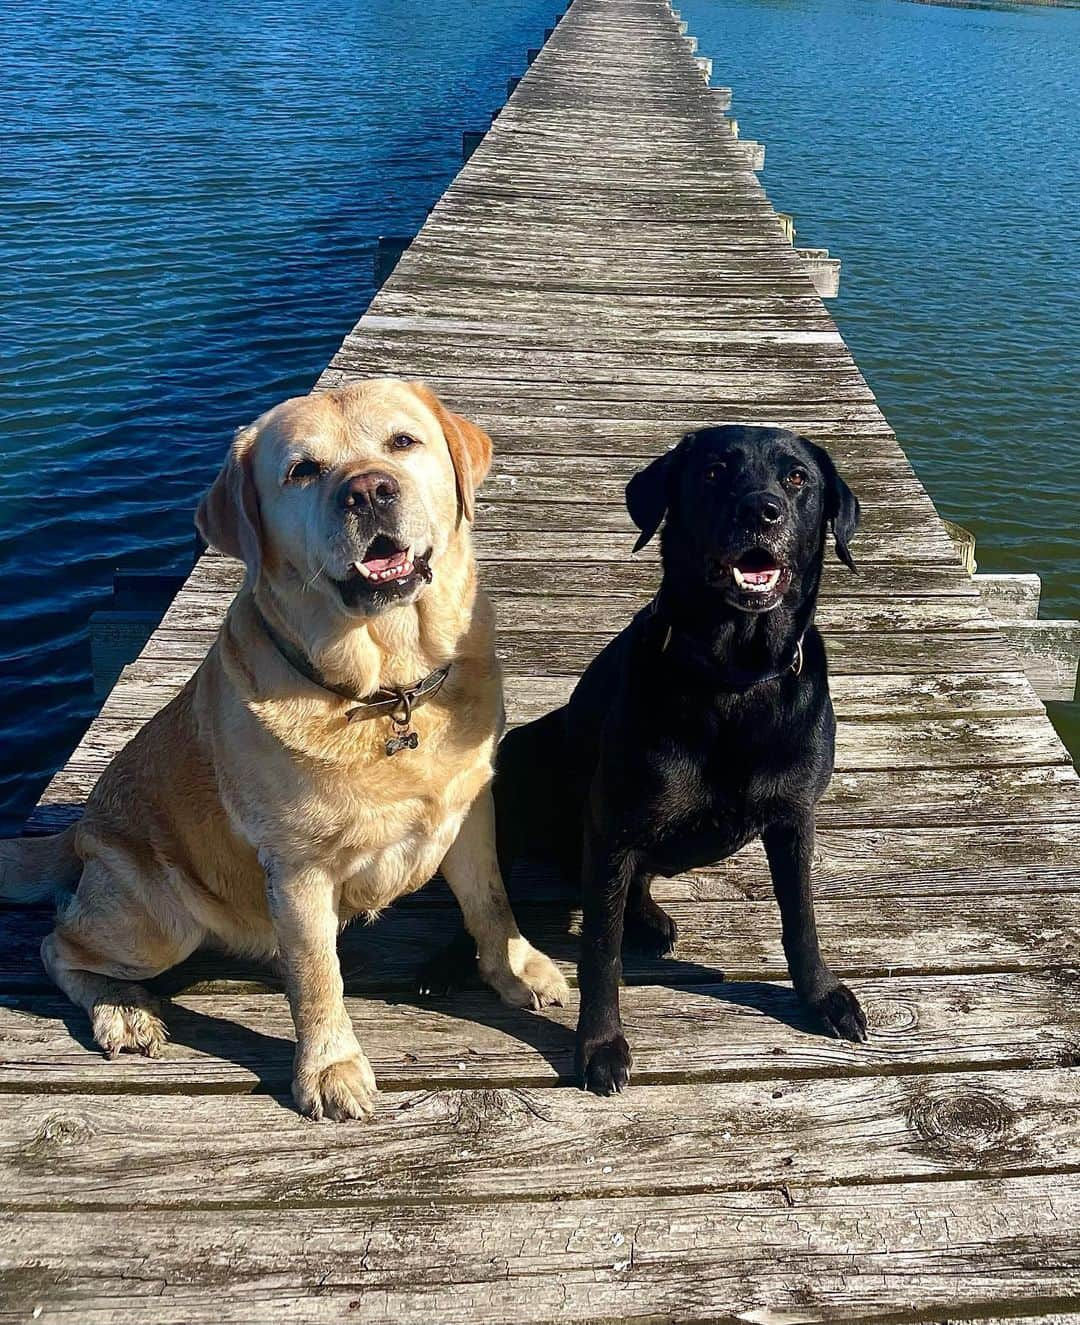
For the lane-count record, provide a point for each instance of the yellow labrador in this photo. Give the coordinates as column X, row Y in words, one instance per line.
column 334, row 748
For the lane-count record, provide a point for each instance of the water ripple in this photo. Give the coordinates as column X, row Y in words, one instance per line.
column 192, row 195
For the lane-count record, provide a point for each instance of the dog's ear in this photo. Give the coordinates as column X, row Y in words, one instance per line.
column 228, row 516
column 471, row 448
column 648, row 494
column 841, row 505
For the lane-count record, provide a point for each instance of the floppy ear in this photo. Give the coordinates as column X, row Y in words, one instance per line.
column 841, row 505
column 228, row 516
column 648, row 494
column 471, row 448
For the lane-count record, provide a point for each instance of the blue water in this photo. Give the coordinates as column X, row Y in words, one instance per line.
column 191, row 197
column 191, row 194
column 934, row 151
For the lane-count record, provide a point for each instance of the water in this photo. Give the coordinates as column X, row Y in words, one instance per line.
column 191, row 196
column 933, row 150
column 192, row 192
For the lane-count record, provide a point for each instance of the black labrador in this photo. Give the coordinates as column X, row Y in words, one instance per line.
column 706, row 723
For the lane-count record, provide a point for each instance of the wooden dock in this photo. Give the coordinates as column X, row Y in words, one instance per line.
column 606, row 272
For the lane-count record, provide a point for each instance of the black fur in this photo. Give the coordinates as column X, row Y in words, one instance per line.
column 690, row 733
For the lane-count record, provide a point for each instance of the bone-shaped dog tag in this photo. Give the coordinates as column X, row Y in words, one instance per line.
column 404, row 740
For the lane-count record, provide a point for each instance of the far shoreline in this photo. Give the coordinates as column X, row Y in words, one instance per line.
column 999, row 4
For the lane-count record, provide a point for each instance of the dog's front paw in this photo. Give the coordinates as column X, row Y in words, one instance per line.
column 126, row 1018
column 603, row 1066
column 529, row 980
column 650, row 931
column 340, row 1091
column 839, row 1012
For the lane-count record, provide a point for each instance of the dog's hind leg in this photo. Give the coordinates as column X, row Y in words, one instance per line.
column 104, row 941
column 647, row 928
column 453, row 967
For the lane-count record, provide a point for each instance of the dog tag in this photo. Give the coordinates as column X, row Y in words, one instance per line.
column 404, row 740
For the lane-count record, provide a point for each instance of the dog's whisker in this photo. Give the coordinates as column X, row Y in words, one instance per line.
column 308, row 583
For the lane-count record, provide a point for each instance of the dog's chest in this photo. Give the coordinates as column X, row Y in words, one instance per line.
column 693, row 843
column 375, row 877
column 706, row 809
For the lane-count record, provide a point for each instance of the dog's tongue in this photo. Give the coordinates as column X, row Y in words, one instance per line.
column 380, row 565
column 756, row 569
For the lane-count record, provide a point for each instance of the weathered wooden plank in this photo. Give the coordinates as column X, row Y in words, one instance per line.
column 79, row 1151
column 146, row 686
column 864, row 932
column 800, row 1253
column 552, row 614
column 737, row 1030
column 869, row 798
column 641, row 576
column 864, row 655
column 877, row 743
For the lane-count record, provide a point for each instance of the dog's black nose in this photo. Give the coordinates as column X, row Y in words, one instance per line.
column 374, row 489
column 761, row 508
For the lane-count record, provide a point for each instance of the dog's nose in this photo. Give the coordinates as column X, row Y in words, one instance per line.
column 373, row 489
column 761, row 508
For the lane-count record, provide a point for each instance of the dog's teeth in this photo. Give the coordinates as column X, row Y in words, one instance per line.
column 362, row 569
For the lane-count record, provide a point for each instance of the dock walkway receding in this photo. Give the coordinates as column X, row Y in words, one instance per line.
column 605, row 273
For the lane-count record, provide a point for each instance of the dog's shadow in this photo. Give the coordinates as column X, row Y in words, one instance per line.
column 381, row 964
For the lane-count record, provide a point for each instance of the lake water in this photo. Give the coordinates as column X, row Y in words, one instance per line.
column 192, row 194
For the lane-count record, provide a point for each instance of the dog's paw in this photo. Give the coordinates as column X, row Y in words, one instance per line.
column 531, row 981
column 126, row 1017
column 650, row 931
column 452, row 968
column 604, row 1066
column 341, row 1091
column 840, row 1014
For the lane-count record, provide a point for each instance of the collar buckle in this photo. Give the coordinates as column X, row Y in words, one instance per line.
column 397, row 704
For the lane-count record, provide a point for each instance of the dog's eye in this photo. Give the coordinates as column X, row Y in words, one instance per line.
column 797, row 478
column 715, row 472
column 302, row 470
column 402, row 442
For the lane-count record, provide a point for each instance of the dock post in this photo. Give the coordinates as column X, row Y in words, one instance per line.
column 754, row 152
column 388, row 251
column 822, row 270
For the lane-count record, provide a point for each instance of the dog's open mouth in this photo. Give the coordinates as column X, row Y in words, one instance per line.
column 756, row 571
column 385, row 560
column 757, row 578
column 386, row 572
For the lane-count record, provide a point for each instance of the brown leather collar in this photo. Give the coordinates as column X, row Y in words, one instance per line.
column 397, row 704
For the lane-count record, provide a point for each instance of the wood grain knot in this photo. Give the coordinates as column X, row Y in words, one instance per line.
column 58, row 1132
column 476, row 1111
column 969, row 1124
column 890, row 1016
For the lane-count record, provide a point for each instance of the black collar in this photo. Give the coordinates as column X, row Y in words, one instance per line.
column 395, row 703
column 677, row 643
